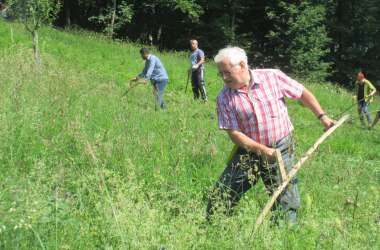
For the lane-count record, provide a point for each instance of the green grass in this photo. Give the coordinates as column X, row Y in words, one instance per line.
column 83, row 167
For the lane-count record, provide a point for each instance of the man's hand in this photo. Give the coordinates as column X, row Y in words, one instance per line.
column 269, row 155
column 195, row 66
column 327, row 122
column 140, row 80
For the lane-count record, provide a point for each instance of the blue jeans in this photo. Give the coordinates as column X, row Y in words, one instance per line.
column 365, row 108
column 243, row 172
column 158, row 90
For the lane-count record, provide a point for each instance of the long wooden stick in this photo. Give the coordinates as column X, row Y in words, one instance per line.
column 376, row 119
column 131, row 87
column 281, row 165
column 187, row 82
column 293, row 172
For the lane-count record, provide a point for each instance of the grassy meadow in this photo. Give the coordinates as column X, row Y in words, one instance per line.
column 84, row 167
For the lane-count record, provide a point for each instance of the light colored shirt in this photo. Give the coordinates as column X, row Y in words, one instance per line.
column 368, row 88
column 154, row 70
column 260, row 111
column 196, row 56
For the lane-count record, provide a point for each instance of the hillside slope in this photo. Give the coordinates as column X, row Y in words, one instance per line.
column 85, row 167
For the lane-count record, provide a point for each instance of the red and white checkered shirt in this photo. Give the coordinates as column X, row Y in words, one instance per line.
column 260, row 113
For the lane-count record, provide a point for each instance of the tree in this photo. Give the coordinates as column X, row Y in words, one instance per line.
column 300, row 38
column 224, row 16
column 158, row 22
column 67, row 13
column 33, row 14
column 114, row 17
column 355, row 30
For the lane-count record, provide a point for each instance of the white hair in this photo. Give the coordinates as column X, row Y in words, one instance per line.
column 235, row 54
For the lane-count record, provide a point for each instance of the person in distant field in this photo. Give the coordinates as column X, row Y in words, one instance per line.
column 252, row 110
column 364, row 92
column 197, row 59
column 155, row 72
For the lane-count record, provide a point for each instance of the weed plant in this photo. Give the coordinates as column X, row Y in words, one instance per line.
column 84, row 167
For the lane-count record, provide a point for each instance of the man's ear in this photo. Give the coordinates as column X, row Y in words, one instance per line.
column 242, row 65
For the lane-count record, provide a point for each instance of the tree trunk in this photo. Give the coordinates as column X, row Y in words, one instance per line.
column 67, row 11
column 35, row 44
column 233, row 17
column 159, row 32
column 113, row 19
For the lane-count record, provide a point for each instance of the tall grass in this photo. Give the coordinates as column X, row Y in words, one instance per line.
column 85, row 167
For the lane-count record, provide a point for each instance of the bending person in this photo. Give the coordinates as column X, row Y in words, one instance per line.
column 252, row 110
column 155, row 72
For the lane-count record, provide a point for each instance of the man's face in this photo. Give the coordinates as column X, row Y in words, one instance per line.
column 144, row 56
column 233, row 76
column 360, row 80
column 194, row 45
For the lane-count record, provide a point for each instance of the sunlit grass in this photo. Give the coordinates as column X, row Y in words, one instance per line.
column 85, row 167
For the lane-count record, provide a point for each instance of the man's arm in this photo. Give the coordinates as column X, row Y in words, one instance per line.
column 149, row 67
column 247, row 143
column 373, row 89
column 199, row 63
column 312, row 103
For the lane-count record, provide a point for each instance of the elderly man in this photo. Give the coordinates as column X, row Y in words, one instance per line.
column 155, row 72
column 252, row 110
column 197, row 59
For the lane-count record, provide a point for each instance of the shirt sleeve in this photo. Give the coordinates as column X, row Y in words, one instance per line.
column 227, row 118
column 148, row 69
column 371, row 87
column 201, row 54
column 288, row 86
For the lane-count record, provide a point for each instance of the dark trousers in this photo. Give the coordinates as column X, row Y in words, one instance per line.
column 243, row 172
column 198, row 85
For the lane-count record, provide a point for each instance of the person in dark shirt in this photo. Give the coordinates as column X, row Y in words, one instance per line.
column 364, row 92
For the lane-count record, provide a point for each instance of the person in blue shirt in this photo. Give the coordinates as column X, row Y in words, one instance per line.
column 155, row 72
column 197, row 59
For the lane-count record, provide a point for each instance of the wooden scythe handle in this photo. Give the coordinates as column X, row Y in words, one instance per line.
column 293, row 172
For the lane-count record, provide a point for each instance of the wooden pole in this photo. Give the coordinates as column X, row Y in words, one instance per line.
column 131, row 87
column 293, row 172
column 376, row 119
column 281, row 165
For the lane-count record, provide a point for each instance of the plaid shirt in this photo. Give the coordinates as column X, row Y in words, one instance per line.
column 260, row 113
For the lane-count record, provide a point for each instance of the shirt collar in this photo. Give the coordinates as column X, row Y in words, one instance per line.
column 254, row 78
